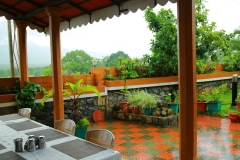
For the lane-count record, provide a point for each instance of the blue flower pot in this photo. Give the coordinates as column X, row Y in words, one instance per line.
column 148, row 111
column 81, row 132
column 214, row 107
column 174, row 107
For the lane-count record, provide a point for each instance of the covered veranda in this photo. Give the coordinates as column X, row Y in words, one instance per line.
column 51, row 17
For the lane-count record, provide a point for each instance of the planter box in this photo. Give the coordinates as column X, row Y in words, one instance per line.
column 214, row 107
column 5, row 98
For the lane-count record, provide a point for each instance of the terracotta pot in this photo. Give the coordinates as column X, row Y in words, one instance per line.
column 125, row 107
column 135, row 110
column 238, row 106
column 233, row 117
column 201, row 106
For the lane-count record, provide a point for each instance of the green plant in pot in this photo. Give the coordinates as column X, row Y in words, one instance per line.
column 173, row 101
column 81, row 127
column 25, row 97
column 201, row 102
column 213, row 99
column 148, row 102
column 134, row 98
column 73, row 91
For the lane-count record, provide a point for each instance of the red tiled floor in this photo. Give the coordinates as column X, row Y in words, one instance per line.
column 217, row 139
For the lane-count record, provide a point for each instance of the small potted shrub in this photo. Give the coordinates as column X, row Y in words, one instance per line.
column 134, row 98
column 81, row 127
column 173, row 101
column 213, row 97
column 147, row 102
column 201, row 103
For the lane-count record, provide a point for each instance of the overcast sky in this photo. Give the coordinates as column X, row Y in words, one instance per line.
column 129, row 33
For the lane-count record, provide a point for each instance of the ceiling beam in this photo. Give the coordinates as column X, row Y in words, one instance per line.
column 41, row 9
column 10, row 7
column 79, row 7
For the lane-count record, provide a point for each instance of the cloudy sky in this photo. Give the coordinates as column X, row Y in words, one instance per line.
column 129, row 33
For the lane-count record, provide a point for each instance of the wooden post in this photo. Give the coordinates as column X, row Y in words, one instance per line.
column 57, row 82
column 22, row 49
column 187, row 79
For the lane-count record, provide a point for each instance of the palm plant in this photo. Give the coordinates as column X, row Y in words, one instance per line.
column 73, row 91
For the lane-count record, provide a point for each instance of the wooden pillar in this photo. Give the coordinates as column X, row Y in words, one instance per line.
column 187, row 79
column 22, row 50
column 57, row 82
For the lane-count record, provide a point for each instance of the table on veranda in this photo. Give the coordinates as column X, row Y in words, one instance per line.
column 59, row 146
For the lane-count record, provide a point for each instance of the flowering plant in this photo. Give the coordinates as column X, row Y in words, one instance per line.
column 172, row 98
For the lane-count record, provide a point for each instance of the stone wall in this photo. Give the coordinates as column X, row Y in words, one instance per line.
column 89, row 105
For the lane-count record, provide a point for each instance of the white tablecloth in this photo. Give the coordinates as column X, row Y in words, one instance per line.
column 8, row 134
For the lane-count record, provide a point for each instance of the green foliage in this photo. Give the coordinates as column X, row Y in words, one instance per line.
column 215, row 93
column 25, row 97
column 208, row 40
column 108, row 76
column 142, row 99
column 128, row 68
column 172, row 98
column 73, row 91
column 236, row 40
column 202, row 97
column 47, row 71
column 209, row 67
column 112, row 60
column 77, row 61
column 164, row 45
column 82, row 123
column 232, row 62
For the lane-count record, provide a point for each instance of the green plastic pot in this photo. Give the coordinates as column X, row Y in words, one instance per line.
column 81, row 132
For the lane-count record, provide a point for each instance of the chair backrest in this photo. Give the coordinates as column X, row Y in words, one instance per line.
column 25, row 112
column 66, row 125
column 101, row 137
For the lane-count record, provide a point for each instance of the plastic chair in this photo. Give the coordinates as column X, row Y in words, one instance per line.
column 101, row 137
column 67, row 126
column 25, row 112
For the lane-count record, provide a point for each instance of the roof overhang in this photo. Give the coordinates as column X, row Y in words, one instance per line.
column 75, row 13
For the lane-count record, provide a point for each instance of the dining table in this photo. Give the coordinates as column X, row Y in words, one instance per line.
column 59, row 145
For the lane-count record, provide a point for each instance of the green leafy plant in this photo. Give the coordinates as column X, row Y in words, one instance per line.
column 128, row 68
column 74, row 91
column 25, row 97
column 238, row 98
column 201, row 97
column 82, row 122
column 215, row 93
column 172, row 98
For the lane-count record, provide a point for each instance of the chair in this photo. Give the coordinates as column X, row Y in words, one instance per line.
column 25, row 112
column 101, row 137
column 67, row 126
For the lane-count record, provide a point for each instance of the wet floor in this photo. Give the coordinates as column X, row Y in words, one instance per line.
column 217, row 139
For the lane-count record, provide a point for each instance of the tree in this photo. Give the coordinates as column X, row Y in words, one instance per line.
column 113, row 58
column 209, row 42
column 164, row 45
column 235, row 42
column 77, row 61
column 47, row 71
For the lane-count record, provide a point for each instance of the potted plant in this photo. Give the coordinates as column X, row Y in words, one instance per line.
column 201, row 103
column 134, row 98
column 173, row 101
column 74, row 91
column 81, row 127
column 147, row 102
column 25, row 97
column 213, row 99
column 233, row 116
column 125, row 104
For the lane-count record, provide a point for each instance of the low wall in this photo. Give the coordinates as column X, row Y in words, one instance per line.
column 112, row 95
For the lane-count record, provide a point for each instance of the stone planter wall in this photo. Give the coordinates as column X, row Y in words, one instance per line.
column 89, row 105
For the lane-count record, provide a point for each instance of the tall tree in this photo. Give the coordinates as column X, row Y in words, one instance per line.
column 209, row 42
column 112, row 60
column 77, row 61
column 235, row 42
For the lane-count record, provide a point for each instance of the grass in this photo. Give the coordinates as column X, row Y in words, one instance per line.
column 226, row 103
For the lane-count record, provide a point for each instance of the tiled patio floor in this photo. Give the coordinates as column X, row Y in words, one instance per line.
column 217, row 139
